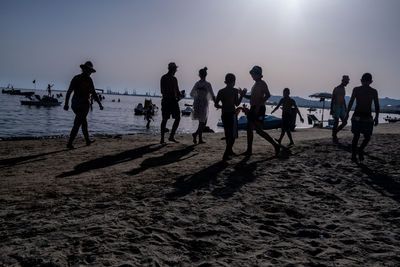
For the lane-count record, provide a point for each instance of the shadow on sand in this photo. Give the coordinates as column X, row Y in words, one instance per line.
column 111, row 160
column 20, row 160
column 168, row 158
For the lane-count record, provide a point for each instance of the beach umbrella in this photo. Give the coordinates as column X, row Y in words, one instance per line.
column 322, row 97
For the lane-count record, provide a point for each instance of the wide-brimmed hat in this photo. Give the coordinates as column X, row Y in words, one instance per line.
column 88, row 66
column 172, row 65
column 256, row 70
column 345, row 78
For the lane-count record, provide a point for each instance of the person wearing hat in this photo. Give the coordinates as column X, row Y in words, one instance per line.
column 255, row 117
column 83, row 87
column 338, row 107
column 361, row 121
column 169, row 103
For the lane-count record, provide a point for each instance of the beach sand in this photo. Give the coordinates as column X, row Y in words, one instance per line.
column 128, row 200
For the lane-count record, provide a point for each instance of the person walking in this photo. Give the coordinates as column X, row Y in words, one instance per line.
column 202, row 93
column 82, row 86
column 169, row 103
column 288, row 105
column 228, row 96
column 255, row 117
column 338, row 107
column 361, row 121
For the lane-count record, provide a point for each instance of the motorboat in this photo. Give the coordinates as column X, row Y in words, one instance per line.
column 16, row 92
column 270, row 122
column 45, row 101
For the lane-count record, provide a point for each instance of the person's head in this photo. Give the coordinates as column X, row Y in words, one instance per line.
column 230, row 79
column 87, row 68
column 286, row 92
column 366, row 79
column 345, row 80
column 256, row 73
column 172, row 67
column 203, row 73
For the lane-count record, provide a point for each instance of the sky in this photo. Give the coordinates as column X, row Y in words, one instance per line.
column 305, row 45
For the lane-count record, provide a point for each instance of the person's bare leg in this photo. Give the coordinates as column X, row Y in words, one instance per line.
column 163, row 125
column 354, row 144
column 289, row 134
column 364, row 143
column 267, row 137
column 200, row 132
column 335, row 130
column 174, row 128
column 250, row 128
column 281, row 137
column 74, row 130
column 342, row 125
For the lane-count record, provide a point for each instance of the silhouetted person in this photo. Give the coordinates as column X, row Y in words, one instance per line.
column 255, row 117
column 169, row 103
column 49, row 89
column 338, row 107
column 82, row 86
column 362, row 122
column 288, row 107
column 202, row 93
column 229, row 98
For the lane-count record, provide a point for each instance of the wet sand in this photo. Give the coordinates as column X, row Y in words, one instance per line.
column 128, row 200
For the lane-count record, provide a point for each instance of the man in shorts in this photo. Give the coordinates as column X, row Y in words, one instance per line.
column 255, row 117
column 362, row 122
column 338, row 107
column 169, row 103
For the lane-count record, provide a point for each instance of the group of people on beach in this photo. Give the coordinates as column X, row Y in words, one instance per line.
column 228, row 100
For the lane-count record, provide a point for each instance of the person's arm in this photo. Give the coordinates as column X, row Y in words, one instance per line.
column 217, row 99
column 353, row 96
column 377, row 108
column 267, row 94
column 333, row 100
column 193, row 92
column 276, row 108
column 298, row 111
column 95, row 96
column 212, row 93
column 245, row 95
column 238, row 100
column 162, row 86
column 69, row 92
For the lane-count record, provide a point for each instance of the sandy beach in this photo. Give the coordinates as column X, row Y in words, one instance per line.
column 129, row 201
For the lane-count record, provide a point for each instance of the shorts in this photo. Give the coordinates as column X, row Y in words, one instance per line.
column 359, row 126
column 287, row 121
column 229, row 120
column 338, row 112
column 80, row 106
column 255, row 116
column 170, row 107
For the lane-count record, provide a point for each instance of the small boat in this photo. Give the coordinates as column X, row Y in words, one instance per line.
column 391, row 119
column 187, row 111
column 311, row 109
column 17, row 92
column 148, row 104
column 270, row 122
column 45, row 101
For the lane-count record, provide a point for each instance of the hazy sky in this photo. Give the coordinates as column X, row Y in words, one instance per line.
column 306, row 45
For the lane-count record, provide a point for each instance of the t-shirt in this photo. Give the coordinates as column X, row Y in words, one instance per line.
column 82, row 86
column 258, row 93
column 287, row 104
column 169, row 86
column 229, row 99
column 364, row 95
column 338, row 96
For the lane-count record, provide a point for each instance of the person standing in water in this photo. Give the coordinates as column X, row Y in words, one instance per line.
column 82, row 86
column 361, row 121
column 288, row 105
column 202, row 93
column 255, row 117
column 169, row 103
column 338, row 107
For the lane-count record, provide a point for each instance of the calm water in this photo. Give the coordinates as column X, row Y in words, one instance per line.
column 17, row 120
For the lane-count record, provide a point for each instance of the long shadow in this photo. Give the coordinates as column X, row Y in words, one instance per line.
column 20, row 160
column 386, row 183
column 243, row 174
column 186, row 184
column 110, row 160
column 167, row 158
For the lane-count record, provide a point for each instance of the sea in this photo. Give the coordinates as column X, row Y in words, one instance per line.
column 117, row 118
